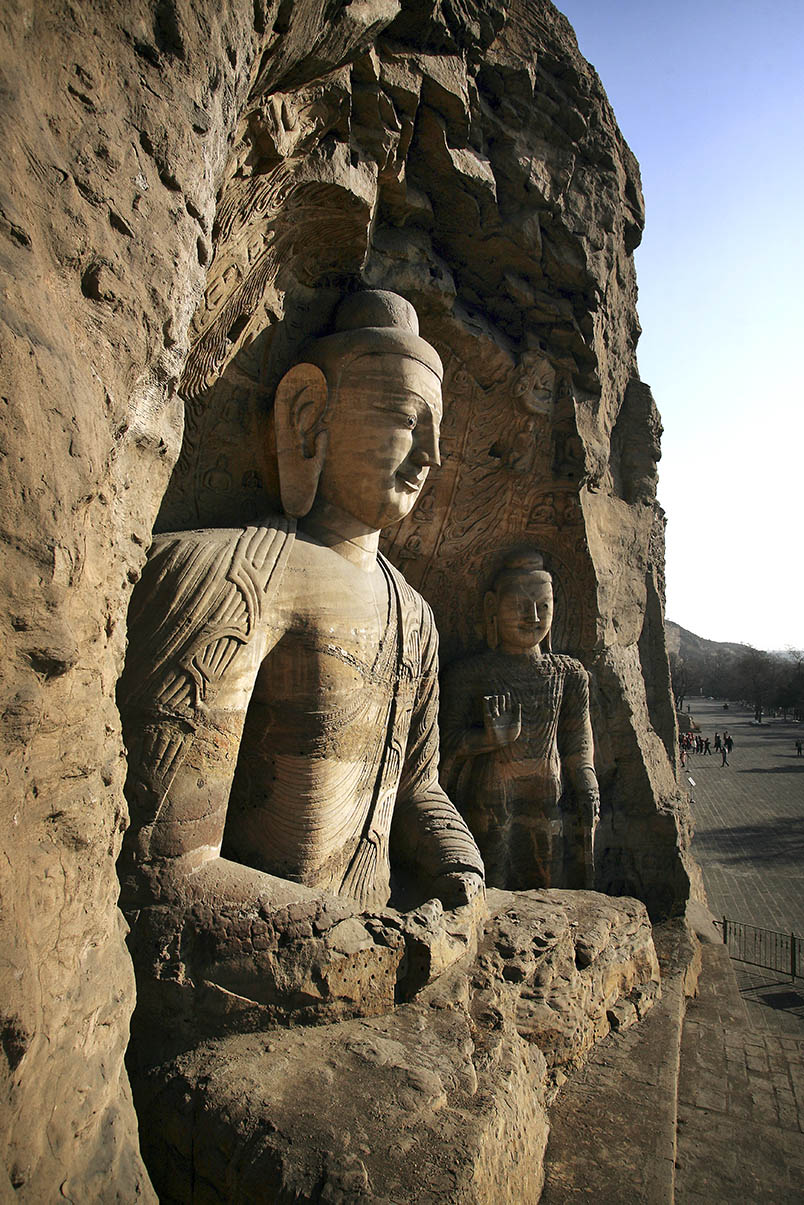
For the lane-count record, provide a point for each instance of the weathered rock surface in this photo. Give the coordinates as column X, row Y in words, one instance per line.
column 177, row 177
column 303, row 957
column 444, row 1099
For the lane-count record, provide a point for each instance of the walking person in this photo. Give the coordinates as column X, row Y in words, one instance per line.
column 717, row 742
column 707, row 748
column 798, row 749
column 729, row 743
column 723, row 752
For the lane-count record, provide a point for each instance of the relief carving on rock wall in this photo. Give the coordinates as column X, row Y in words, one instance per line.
column 518, row 751
column 495, row 489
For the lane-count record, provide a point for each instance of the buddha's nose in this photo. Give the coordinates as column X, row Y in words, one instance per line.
column 425, row 451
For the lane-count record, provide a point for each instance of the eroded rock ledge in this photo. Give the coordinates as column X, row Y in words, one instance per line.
column 442, row 1099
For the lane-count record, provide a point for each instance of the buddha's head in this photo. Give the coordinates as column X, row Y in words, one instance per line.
column 357, row 421
column 519, row 606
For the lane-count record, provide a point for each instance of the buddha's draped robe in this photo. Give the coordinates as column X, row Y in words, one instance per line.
column 514, row 798
column 330, row 783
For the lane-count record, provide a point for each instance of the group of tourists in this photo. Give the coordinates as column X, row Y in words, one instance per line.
column 694, row 742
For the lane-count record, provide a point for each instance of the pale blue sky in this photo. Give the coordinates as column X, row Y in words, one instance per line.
column 710, row 97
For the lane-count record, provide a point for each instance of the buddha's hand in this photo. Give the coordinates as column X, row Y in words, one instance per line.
column 457, row 888
column 593, row 806
column 502, row 720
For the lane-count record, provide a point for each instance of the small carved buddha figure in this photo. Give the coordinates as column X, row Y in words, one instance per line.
column 280, row 697
column 517, row 741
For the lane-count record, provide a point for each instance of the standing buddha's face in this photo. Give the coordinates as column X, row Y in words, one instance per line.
column 382, row 438
column 524, row 611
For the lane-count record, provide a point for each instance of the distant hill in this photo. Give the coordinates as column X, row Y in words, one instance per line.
column 734, row 671
column 688, row 646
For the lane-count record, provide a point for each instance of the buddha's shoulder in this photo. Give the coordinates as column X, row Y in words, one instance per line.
column 187, row 571
column 568, row 667
column 481, row 666
column 202, row 593
column 252, row 542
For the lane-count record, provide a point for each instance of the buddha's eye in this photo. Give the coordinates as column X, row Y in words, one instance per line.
column 410, row 421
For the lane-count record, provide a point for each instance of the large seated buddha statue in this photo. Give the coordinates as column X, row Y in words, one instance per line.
column 280, row 706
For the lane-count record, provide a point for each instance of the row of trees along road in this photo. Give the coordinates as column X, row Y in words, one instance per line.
column 764, row 681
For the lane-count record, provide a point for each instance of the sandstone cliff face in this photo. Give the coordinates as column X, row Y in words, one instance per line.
column 187, row 188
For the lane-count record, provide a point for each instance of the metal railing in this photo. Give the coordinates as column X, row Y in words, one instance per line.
column 762, row 947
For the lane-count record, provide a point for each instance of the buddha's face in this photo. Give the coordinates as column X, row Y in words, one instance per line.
column 382, row 438
column 524, row 611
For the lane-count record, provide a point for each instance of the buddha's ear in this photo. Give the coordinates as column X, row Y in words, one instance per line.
column 490, row 616
column 300, row 407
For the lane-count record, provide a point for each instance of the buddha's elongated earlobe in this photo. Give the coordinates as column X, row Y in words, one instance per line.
column 301, row 436
column 547, row 641
column 490, row 615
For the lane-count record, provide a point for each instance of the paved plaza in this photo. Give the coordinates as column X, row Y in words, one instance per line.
column 740, row 1120
column 749, row 819
column 749, row 842
column 741, row 1083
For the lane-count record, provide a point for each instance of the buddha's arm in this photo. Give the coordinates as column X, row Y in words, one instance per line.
column 575, row 741
column 460, row 737
column 428, row 832
column 197, row 637
column 181, row 770
column 576, row 748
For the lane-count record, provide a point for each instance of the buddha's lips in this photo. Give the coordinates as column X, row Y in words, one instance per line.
column 411, row 482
